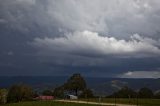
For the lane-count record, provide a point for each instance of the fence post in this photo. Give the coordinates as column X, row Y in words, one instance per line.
column 137, row 100
column 115, row 100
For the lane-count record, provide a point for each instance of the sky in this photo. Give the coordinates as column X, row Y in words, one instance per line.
column 97, row 38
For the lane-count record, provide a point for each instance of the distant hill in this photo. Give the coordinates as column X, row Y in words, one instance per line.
column 106, row 86
column 100, row 86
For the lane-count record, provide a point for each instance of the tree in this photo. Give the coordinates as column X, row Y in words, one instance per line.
column 59, row 92
column 87, row 93
column 145, row 93
column 19, row 93
column 125, row 92
column 47, row 93
column 3, row 96
column 35, row 94
column 157, row 95
column 75, row 83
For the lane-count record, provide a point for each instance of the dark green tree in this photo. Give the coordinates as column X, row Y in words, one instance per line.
column 157, row 95
column 145, row 93
column 59, row 92
column 47, row 93
column 19, row 93
column 75, row 83
column 87, row 93
column 35, row 94
column 125, row 92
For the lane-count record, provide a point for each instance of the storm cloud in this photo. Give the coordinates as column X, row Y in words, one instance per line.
column 98, row 35
column 113, row 17
column 91, row 43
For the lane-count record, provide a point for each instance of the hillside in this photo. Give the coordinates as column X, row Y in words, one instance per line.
column 101, row 86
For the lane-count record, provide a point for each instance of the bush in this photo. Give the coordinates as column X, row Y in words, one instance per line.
column 3, row 96
column 145, row 93
column 19, row 93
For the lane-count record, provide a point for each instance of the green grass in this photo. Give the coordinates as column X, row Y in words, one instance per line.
column 141, row 102
column 46, row 103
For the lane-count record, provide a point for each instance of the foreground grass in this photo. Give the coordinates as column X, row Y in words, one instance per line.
column 140, row 102
column 46, row 103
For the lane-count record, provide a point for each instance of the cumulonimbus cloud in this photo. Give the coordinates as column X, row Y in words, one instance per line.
column 118, row 18
column 91, row 43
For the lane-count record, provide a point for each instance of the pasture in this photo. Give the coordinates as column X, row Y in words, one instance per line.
column 113, row 101
column 46, row 103
column 132, row 101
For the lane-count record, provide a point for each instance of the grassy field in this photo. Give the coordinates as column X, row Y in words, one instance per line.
column 142, row 102
column 46, row 103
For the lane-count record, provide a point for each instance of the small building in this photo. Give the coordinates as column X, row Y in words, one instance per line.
column 71, row 97
column 45, row 97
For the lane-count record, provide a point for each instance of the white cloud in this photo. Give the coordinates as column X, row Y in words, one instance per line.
column 91, row 43
column 140, row 74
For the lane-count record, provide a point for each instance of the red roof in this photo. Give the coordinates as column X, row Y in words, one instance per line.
column 45, row 97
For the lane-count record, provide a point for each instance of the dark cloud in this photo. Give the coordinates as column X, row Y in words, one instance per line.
column 98, row 38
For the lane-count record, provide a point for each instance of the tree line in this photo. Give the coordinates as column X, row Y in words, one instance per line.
column 127, row 92
column 75, row 85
